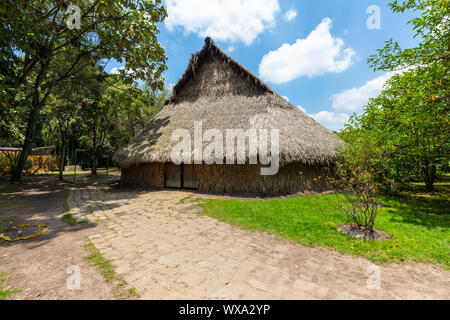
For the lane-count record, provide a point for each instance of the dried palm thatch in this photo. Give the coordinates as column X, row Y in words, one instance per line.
column 224, row 95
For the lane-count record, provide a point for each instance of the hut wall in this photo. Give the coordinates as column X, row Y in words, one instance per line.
column 143, row 175
column 233, row 179
column 246, row 179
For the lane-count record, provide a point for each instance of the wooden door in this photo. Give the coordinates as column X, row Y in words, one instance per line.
column 172, row 175
column 189, row 176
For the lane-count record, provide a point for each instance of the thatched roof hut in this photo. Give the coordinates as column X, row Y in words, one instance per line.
column 224, row 95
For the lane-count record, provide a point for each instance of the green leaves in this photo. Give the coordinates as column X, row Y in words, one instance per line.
column 407, row 126
column 34, row 31
column 45, row 43
column 431, row 26
column 408, row 123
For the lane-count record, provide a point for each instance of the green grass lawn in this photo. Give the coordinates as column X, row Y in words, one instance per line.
column 66, row 173
column 419, row 233
column 79, row 172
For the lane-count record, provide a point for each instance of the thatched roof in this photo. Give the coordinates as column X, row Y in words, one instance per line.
column 211, row 51
column 224, row 95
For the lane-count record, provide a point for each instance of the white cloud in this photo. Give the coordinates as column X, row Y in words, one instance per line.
column 330, row 120
column 285, row 98
column 349, row 101
column 354, row 99
column 223, row 20
column 117, row 70
column 317, row 54
column 290, row 15
column 230, row 49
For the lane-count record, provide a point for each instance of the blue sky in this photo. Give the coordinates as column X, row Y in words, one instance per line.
column 312, row 52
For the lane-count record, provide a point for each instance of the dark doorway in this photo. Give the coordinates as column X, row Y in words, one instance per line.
column 189, row 177
column 172, row 175
column 180, row 176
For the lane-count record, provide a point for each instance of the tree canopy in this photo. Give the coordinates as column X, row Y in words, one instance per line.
column 406, row 128
column 47, row 42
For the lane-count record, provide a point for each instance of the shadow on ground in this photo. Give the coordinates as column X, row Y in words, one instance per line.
column 42, row 200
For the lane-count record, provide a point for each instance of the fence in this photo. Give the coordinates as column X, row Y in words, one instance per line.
column 40, row 160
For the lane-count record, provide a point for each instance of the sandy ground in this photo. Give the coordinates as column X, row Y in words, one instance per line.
column 166, row 250
column 39, row 267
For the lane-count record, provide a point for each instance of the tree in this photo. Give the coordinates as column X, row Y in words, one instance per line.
column 64, row 109
column 136, row 106
column 36, row 33
column 113, row 112
column 410, row 127
column 432, row 26
column 408, row 123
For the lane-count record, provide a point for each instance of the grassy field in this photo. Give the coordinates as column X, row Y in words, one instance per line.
column 79, row 172
column 419, row 225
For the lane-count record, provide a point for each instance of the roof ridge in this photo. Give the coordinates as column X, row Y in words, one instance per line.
column 197, row 58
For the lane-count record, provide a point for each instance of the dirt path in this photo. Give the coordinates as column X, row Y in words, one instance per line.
column 167, row 251
column 38, row 267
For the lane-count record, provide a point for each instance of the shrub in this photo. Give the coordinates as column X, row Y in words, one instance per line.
column 355, row 187
column 357, row 194
column 361, row 151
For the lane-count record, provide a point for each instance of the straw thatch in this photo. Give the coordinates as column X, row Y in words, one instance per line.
column 224, row 95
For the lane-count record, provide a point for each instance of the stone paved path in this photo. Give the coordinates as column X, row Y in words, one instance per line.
column 168, row 251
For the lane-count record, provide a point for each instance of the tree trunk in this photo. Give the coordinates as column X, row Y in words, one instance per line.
column 429, row 171
column 63, row 158
column 31, row 126
column 94, row 152
column 94, row 164
column 430, row 177
column 27, row 144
